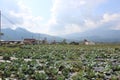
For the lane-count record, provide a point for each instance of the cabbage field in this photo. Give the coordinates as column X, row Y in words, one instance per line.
column 60, row 62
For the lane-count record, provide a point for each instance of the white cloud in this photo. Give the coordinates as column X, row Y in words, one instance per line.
column 90, row 24
column 110, row 17
column 67, row 16
column 116, row 27
column 82, row 2
column 73, row 13
column 23, row 17
column 72, row 28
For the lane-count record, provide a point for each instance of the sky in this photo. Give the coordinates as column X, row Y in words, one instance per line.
column 60, row 17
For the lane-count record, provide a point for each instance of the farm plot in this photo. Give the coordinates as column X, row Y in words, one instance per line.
column 61, row 62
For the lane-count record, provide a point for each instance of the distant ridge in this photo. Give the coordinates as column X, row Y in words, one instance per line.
column 20, row 34
column 97, row 35
column 93, row 35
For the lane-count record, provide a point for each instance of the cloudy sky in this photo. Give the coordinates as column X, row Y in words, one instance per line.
column 59, row 17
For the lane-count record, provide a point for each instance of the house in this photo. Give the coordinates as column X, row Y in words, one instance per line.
column 30, row 41
column 86, row 42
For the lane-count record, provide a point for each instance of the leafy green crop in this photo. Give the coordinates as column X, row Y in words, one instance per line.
column 60, row 62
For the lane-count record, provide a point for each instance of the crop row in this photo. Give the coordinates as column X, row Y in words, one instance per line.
column 61, row 62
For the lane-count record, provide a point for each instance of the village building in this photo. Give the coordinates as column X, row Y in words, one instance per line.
column 86, row 42
column 30, row 41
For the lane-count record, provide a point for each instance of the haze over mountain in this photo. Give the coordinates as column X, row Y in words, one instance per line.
column 97, row 35
column 20, row 34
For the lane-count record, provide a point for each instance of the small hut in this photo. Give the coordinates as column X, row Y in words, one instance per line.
column 29, row 41
column 86, row 42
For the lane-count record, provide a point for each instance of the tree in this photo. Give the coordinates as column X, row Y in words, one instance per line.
column 64, row 41
column 1, row 34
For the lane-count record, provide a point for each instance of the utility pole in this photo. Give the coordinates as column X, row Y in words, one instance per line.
column 0, row 28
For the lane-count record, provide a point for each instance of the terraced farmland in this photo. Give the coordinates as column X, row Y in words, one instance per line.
column 60, row 62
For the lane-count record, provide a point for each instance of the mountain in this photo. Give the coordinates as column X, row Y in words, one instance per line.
column 97, row 35
column 20, row 34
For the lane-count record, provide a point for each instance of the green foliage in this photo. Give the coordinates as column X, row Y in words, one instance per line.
column 6, row 57
column 7, row 73
column 5, row 49
column 60, row 77
column 60, row 62
column 40, row 76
